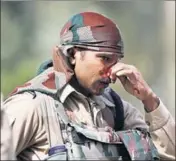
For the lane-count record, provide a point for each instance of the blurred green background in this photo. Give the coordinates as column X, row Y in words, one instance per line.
column 29, row 30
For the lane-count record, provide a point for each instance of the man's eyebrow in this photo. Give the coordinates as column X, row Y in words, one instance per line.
column 106, row 54
column 110, row 55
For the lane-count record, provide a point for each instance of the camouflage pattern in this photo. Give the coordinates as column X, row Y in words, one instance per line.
column 88, row 144
column 48, row 82
column 92, row 31
column 139, row 145
column 85, row 143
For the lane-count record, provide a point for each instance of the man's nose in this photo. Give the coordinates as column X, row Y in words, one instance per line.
column 107, row 72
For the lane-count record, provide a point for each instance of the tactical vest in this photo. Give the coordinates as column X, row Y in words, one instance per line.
column 70, row 141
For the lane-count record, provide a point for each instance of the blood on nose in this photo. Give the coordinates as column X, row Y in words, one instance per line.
column 106, row 72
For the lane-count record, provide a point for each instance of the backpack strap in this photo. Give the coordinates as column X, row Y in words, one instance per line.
column 111, row 95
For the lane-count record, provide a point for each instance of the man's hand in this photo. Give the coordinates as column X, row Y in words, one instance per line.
column 134, row 84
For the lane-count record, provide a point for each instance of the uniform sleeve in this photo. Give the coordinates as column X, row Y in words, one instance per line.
column 133, row 117
column 162, row 128
column 24, row 120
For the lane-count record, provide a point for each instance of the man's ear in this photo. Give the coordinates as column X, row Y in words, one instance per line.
column 72, row 58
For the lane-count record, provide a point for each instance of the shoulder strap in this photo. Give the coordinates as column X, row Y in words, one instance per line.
column 119, row 110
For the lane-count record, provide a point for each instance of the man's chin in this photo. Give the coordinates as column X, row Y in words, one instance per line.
column 99, row 91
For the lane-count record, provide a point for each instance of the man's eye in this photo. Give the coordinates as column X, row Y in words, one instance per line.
column 105, row 58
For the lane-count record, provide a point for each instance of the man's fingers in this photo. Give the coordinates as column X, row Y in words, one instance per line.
column 113, row 75
column 126, row 83
column 118, row 67
column 129, row 74
column 121, row 69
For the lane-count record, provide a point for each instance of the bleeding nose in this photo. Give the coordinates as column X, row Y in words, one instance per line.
column 106, row 72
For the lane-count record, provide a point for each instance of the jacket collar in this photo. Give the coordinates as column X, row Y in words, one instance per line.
column 100, row 100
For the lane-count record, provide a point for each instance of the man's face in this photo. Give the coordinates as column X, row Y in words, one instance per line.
column 92, row 69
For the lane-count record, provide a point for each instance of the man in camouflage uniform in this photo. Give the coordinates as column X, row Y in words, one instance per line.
column 75, row 86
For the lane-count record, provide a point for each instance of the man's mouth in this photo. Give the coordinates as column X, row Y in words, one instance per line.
column 104, row 84
column 106, row 81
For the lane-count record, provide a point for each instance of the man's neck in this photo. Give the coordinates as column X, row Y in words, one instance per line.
column 75, row 84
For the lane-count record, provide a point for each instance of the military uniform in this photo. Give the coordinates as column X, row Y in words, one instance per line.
column 29, row 132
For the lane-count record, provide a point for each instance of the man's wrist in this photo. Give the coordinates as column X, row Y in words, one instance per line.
column 151, row 102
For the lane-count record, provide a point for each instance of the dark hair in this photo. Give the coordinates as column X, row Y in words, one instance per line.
column 72, row 51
